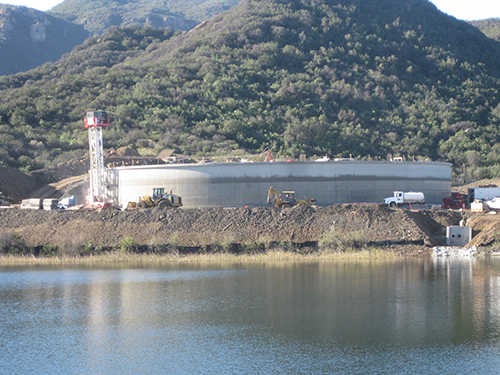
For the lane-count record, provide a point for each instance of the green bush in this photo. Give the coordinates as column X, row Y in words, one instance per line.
column 126, row 245
column 89, row 248
column 175, row 239
column 12, row 243
column 48, row 250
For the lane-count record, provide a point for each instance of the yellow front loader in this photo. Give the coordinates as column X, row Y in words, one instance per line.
column 160, row 199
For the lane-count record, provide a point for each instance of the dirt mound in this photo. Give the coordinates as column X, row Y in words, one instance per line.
column 199, row 227
column 15, row 185
column 50, row 182
column 486, row 228
column 124, row 151
column 484, row 182
column 59, row 172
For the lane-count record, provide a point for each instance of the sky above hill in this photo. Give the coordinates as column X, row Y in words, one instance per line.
column 462, row 9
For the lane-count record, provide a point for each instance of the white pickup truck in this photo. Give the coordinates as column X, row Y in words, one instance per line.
column 401, row 198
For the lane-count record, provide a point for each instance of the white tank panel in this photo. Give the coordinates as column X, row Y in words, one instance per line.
column 246, row 184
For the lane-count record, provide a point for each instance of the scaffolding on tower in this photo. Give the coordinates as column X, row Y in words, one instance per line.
column 95, row 122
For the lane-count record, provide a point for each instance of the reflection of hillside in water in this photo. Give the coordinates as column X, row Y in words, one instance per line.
column 436, row 299
column 432, row 301
column 241, row 314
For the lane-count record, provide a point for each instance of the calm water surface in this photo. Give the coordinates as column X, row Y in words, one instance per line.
column 416, row 316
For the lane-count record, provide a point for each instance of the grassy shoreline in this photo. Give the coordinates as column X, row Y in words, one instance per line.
column 220, row 257
column 14, row 250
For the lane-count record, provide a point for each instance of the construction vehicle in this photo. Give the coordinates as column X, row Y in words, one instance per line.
column 160, row 199
column 286, row 199
column 483, row 192
column 400, row 198
column 455, row 200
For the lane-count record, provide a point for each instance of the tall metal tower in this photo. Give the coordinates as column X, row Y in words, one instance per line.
column 95, row 122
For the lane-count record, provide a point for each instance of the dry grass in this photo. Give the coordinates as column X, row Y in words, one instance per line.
column 123, row 257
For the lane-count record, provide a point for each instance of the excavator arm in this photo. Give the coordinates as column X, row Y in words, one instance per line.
column 274, row 196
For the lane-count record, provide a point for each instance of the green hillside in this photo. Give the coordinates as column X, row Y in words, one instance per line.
column 367, row 78
column 97, row 15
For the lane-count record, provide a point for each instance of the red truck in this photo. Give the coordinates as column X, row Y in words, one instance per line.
column 456, row 200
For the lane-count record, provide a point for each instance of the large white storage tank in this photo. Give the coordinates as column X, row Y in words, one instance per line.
column 246, row 184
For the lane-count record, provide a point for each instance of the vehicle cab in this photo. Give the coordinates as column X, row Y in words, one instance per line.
column 396, row 199
column 158, row 193
column 96, row 119
column 288, row 197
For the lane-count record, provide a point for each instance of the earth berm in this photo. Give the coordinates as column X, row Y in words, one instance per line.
column 411, row 232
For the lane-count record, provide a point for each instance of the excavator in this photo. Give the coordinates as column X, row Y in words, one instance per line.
column 160, row 199
column 286, row 198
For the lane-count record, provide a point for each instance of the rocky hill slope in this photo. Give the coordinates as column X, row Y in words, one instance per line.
column 98, row 15
column 30, row 38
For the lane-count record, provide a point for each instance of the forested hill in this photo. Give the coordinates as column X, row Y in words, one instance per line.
column 97, row 15
column 367, row 78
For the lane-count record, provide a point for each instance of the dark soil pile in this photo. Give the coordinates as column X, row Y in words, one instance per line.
column 18, row 185
column 202, row 227
column 15, row 185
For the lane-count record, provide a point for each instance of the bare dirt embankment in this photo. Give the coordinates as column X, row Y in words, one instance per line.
column 396, row 228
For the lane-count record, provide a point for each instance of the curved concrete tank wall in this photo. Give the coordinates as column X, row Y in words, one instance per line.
column 246, row 184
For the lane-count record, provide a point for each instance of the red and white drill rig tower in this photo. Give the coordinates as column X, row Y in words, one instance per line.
column 95, row 122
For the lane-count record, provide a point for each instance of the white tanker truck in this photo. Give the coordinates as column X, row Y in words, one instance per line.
column 401, row 198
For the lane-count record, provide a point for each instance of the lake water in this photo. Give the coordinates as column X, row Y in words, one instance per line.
column 414, row 316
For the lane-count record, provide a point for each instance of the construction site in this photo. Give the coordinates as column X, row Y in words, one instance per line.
column 242, row 183
column 198, row 204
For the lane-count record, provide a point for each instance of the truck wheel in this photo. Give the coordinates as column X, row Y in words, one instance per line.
column 393, row 204
column 164, row 204
column 142, row 204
